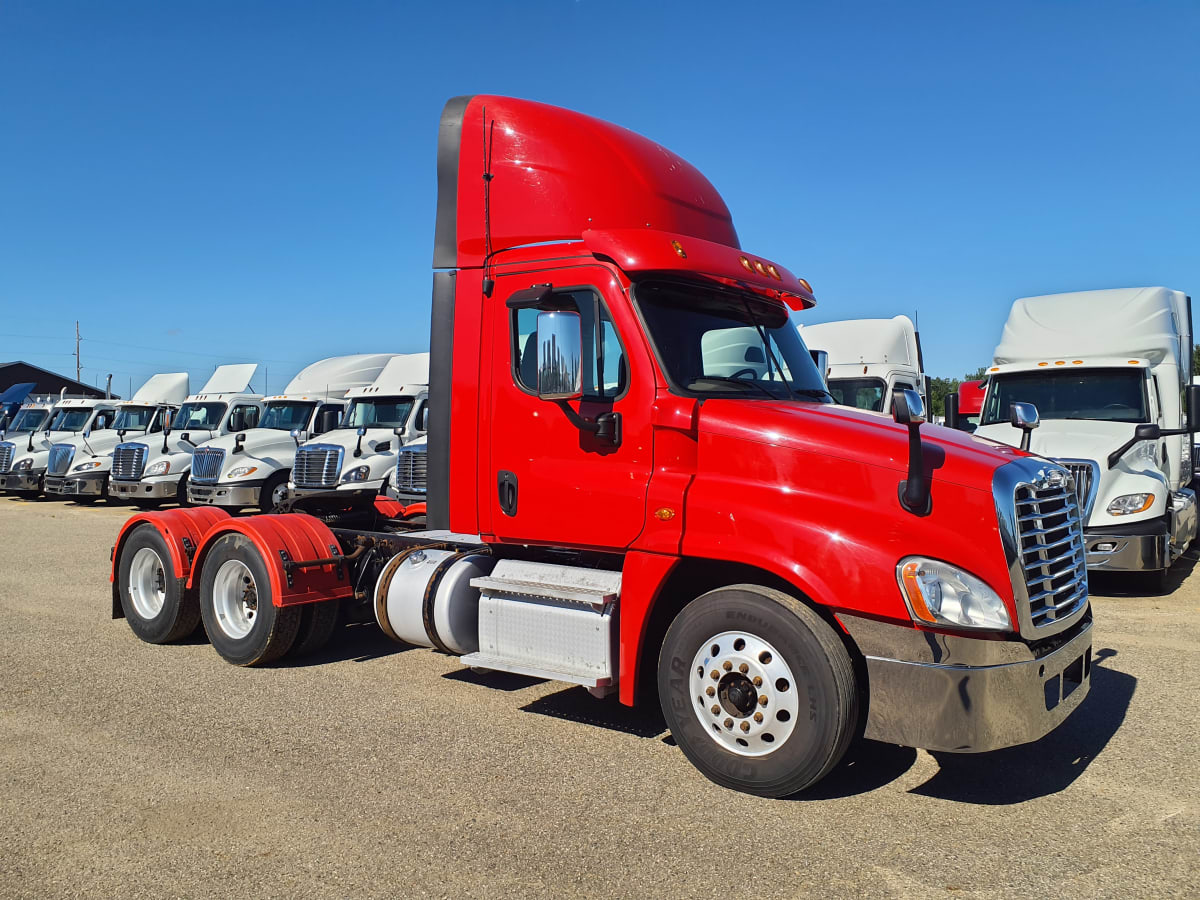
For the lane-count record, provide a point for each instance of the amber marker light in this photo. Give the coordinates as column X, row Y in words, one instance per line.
column 1077, row 362
column 1061, row 362
column 745, row 264
column 679, row 251
column 1133, row 362
column 664, row 513
column 774, row 273
column 1043, row 364
column 760, row 268
column 804, row 284
column 912, row 590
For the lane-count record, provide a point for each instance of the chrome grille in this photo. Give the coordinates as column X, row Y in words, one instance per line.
column 6, row 455
column 206, row 464
column 410, row 470
column 317, row 466
column 129, row 460
column 1087, row 476
column 1052, row 555
column 60, row 459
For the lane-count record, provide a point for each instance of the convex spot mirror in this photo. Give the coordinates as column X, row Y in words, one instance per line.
column 559, row 356
column 908, row 408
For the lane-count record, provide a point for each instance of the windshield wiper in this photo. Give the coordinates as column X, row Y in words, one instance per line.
column 740, row 382
column 812, row 392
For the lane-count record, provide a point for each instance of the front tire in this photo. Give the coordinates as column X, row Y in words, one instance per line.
column 237, row 605
column 274, row 491
column 758, row 691
column 156, row 607
column 181, row 492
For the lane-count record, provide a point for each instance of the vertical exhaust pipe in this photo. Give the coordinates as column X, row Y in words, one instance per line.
column 108, row 388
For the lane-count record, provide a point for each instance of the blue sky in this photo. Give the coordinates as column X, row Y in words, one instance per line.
column 207, row 181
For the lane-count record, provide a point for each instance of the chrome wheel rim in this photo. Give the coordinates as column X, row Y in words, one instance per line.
column 279, row 493
column 235, row 599
column 147, row 583
column 744, row 693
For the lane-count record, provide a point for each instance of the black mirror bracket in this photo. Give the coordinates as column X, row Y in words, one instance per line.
column 607, row 426
column 914, row 491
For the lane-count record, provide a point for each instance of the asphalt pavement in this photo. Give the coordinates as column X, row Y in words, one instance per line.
column 374, row 769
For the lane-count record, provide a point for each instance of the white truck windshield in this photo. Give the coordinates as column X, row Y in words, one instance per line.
column 1109, row 395
column 199, row 416
column 720, row 341
column 29, row 420
column 71, row 420
column 381, row 412
column 134, row 418
column 286, row 416
column 861, row 393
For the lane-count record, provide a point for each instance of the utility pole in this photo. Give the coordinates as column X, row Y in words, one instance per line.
column 77, row 351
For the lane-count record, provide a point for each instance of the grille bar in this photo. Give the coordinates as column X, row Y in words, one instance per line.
column 207, row 463
column 1051, row 548
column 6, row 455
column 411, row 470
column 129, row 461
column 317, row 466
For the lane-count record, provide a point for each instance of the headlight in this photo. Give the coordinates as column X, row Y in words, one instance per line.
column 1128, row 504
column 358, row 473
column 23, row 465
column 938, row 593
column 241, row 471
column 83, row 467
column 162, row 467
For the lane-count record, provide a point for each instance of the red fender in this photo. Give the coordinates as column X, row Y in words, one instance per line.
column 386, row 506
column 303, row 537
column 176, row 526
column 414, row 509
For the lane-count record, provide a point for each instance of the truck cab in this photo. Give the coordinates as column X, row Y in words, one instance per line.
column 1109, row 374
column 23, row 460
column 360, row 454
column 252, row 467
column 11, row 401
column 869, row 360
column 79, row 467
column 148, row 472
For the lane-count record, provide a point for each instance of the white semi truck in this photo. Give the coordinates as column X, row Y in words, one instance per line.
column 78, row 468
column 150, row 471
column 23, row 460
column 381, row 417
column 252, row 467
column 1109, row 373
column 869, row 360
column 31, row 417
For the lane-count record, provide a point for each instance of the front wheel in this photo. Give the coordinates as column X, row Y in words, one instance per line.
column 237, row 605
column 274, row 491
column 758, row 691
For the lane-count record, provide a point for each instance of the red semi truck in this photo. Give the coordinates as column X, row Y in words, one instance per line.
column 637, row 483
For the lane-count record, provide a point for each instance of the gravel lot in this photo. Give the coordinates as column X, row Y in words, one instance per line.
column 374, row 769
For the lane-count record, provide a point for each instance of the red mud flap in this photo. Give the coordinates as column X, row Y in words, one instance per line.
column 182, row 529
column 394, row 509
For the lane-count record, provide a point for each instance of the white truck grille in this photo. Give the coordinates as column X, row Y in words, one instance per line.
column 206, row 464
column 1052, row 554
column 128, row 461
column 317, row 466
column 60, row 459
column 6, row 455
column 410, row 470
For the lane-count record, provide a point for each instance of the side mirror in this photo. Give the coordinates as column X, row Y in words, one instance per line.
column 908, row 408
column 398, row 431
column 559, row 356
column 299, row 436
column 186, row 437
column 1025, row 417
column 238, row 442
column 87, row 433
column 362, row 430
column 950, row 404
column 821, row 360
column 327, row 420
column 1193, row 406
column 1146, row 431
column 423, row 417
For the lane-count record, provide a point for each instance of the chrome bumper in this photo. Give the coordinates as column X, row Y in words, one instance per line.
column 224, row 494
column 140, row 490
column 22, row 481
column 968, row 695
column 1127, row 552
column 348, row 486
column 76, row 485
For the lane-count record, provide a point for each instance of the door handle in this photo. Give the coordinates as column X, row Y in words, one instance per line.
column 506, row 485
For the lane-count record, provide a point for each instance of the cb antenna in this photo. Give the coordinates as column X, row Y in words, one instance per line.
column 488, row 283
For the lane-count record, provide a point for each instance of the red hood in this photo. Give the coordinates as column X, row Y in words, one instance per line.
column 854, row 435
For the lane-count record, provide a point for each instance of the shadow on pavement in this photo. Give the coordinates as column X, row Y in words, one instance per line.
column 499, row 681
column 1046, row 766
column 1137, row 584
column 360, row 642
column 577, row 705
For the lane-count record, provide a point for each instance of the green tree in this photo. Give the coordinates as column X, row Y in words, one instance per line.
column 1196, row 359
column 938, row 389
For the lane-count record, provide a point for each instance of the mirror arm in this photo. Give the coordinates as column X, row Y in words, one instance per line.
column 358, row 447
column 913, row 491
column 607, row 426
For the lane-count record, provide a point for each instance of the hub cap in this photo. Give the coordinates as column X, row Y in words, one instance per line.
column 279, row 493
column 147, row 583
column 744, row 693
column 235, row 599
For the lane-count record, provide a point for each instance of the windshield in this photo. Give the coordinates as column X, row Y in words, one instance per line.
column 199, row 416
column 710, row 341
column 71, row 419
column 861, row 393
column 382, row 412
column 134, row 418
column 1109, row 395
column 286, row 416
column 29, row 420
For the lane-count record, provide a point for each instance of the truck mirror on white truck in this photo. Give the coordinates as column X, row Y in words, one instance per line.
column 1146, row 431
column 1025, row 417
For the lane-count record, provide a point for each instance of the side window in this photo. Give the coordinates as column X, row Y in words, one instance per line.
column 328, row 417
column 605, row 370
column 102, row 421
column 422, row 419
column 902, row 386
column 243, row 418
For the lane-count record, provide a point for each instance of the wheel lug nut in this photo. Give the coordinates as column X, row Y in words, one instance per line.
column 716, row 676
column 762, row 699
column 758, row 717
column 727, row 665
column 710, row 690
column 715, row 709
column 757, row 681
column 745, row 726
column 728, row 723
column 743, row 668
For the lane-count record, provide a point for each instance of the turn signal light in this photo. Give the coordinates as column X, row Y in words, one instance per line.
column 912, row 590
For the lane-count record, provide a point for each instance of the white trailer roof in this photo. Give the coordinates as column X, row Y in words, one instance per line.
column 405, row 371
column 865, row 341
column 171, row 388
column 1148, row 323
column 230, row 379
column 335, row 376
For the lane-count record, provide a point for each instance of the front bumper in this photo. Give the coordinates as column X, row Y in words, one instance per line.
column 1122, row 549
column 76, row 485
column 969, row 695
column 22, row 481
column 376, row 485
column 144, row 490
column 224, row 494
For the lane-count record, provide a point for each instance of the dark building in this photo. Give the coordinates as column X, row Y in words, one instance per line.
column 47, row 382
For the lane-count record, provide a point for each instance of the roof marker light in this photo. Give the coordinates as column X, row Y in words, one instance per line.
column 804, row 284
column 1133, row 362
column 1077, row 362
column 745, row 264
column 1043, row 364
column 774, row 272
column 679, row 251
column 1060, row 362
column 759, row 267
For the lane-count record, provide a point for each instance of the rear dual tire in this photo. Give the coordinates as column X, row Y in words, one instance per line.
column 155, row 604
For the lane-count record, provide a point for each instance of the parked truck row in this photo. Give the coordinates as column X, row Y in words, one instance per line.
column 633, row 478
